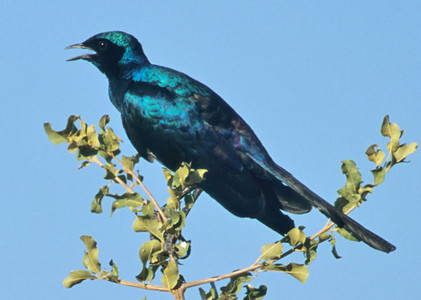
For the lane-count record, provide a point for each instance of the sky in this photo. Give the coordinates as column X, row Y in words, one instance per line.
column 314, row 80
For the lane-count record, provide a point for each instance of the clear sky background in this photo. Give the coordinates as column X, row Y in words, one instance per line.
column 314, row 80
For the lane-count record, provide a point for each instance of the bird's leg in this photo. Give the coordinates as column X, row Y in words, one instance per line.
column 196, row 193
column 170, row 238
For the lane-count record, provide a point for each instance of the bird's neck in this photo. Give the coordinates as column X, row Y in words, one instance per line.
column 121, row 69
column 119, row 79
column 116, row 89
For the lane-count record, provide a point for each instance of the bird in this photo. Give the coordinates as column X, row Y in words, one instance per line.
column 173, row 118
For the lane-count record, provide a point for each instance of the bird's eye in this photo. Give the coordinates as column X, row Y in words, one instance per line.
column 102, row 45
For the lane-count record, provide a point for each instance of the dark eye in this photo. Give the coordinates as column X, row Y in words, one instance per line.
column 102, row 45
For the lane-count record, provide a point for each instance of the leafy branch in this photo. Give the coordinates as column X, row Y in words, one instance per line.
column 164, row 224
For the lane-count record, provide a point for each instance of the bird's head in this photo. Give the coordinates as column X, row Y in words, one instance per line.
column 114, row 50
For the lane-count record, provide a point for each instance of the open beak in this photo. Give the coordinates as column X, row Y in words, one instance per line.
column 88, row 57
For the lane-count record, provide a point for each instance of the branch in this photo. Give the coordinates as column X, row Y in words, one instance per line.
column 329, row 224
column 116, row 178
column 152, row 198
column 140, row 285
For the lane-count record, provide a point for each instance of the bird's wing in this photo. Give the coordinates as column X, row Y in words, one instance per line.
column 256, row 159
column 206, row 103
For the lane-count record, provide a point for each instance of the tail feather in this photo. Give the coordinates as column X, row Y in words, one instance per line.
column 342, row 220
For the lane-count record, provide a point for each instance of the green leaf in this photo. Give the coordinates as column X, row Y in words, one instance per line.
column 196, row 176
column 271, row 251
column 324, row 237
column 148, row 210
column 141, row 224
column 385, row 129
column 126, row 200
column 110, row 171
column 114, row 275
column 176, row 220
column 388, row 129
column 235, row 284
column 173, row 203
column 334, row 251
column 346, row 234
column 90, row 259
column 346, row 203
column 104, row 274
column 255, row 294
column 84, row 164
column 227, row 297
column 170, row 275
column 54, row 137
column 77, row 277
column 298, row 271
column 105, row 119
column 148, row 249
column 58, row 137
column 114, row 144
column 105, row 155
column 109, row 141
column 181, row 175
column 130, row 162
column 211, row 295
column 349, row 193
column 353, row 176
column 148, row 224
column 85, row 152
column 111, row 276
column 392, row 131
column 403, row 151
column 376, row 156
column 310, row 247
column 167, row 174
column 182, row 249
column 379, row 175
column 92, row 137
column 296, row 236
column 96, row 204
column 189, row 201
column 147, row 274
column 122, row 177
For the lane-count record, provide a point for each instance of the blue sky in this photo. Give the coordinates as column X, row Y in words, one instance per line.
column 313, row 80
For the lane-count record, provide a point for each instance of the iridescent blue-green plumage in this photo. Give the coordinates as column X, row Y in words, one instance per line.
column 171, row 117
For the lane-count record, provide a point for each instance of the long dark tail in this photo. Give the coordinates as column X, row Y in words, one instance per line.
column 342, row 220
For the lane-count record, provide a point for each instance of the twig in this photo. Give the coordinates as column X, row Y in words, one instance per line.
column 116, row 178
column 329, row 225
column 141, row 285
column 251, row 268
column 152, row 198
